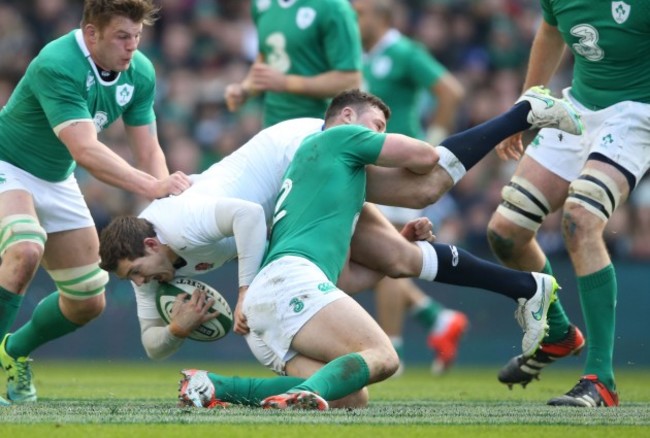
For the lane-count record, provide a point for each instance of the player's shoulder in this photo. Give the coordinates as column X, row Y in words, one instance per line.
column 291, row 129
column 142, row 69
column 62, row 56
column 344, row 130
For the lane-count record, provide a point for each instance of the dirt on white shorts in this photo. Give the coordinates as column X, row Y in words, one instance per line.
column 60, row 206
column 620, row 132
column 283, row 297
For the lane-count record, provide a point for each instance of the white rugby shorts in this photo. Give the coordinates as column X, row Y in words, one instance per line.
column 60, row 206
column 620, row 132
column 285, row 294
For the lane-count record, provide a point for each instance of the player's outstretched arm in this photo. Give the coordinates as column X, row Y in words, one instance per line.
column 264, row 77
column 146, row 150
column 81, row 140
column 545, row 56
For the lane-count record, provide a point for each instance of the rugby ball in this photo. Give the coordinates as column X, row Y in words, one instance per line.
column 211, row 330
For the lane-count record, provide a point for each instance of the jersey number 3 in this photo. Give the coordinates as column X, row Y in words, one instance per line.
column 587, row 46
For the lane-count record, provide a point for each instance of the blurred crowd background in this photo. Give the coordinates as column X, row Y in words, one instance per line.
column 199, row 46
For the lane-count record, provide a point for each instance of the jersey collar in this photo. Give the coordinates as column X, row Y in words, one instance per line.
column 84, row 49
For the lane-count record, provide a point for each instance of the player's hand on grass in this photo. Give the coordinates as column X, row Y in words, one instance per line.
column 241, row 324
column 510, row 148
column 189, row 312
column 418, row 229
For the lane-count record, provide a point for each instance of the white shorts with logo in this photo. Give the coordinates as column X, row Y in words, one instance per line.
column 620, row 132
column 60, row 206
column 285, row 294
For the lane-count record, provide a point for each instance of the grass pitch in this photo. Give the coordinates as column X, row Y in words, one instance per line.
column 80, row 399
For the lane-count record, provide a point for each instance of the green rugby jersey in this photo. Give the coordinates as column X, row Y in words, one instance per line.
column 305, row 38
column 62, row 84
column 322, row 195
column 610, row 41
column 398, row 70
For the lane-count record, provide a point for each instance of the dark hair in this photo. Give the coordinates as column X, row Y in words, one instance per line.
column 123, row 239
column 357, row 99
column 101, row 12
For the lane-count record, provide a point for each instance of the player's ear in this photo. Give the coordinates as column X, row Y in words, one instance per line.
column 151, row 243
column 91, row 31
column 348, row 115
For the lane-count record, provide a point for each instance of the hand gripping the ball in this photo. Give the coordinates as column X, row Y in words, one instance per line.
column 189, row 312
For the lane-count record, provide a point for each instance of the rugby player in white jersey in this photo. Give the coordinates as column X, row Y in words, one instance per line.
column 200, row 237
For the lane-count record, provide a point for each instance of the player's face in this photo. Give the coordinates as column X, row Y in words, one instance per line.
column 116, row 43
column 372, row 118
column 154, row 265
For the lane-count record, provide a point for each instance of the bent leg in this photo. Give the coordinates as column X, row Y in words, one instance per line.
column 22, row 242
column 356, row 351
column 79, row 298
column 533, row 193
column 592, row 199
column 304, row 367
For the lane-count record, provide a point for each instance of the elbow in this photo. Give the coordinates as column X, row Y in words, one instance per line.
column 155, row 355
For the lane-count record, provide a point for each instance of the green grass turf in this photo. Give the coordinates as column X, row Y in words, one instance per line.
column 105, row 399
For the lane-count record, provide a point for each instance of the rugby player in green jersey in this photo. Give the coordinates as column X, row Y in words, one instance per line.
column 587, row 176
column 309, row 50
column 76, row 86
column 293, row 301
column 399, row 70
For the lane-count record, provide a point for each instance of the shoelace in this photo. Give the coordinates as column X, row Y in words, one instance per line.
column 580, row 388
column 24, row 371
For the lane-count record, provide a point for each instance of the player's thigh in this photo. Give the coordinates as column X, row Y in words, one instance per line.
column 71, row 248
column 402, row 188
column 16, row 202
column 340, row 328
column 71, row 259
column 552, row 186
column 532, row 194
column 377, row 245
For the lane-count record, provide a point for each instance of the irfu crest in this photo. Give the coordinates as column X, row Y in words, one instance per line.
column 123, row 94
column 620, row 12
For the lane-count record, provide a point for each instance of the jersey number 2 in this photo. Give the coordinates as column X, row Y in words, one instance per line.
column 278, row 214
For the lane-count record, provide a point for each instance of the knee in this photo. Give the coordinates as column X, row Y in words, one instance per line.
column 593, row 198
column 387, row 364
column 501, row 235
column 21, row 262
column 579, row 225
column 83, row 311
column 82, row 290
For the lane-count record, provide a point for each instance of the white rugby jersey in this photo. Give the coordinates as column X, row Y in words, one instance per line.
column 186, row 223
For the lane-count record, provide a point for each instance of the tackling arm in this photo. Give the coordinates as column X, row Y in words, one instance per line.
column 146, row 149
column 81, row 140
column 545, row 55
